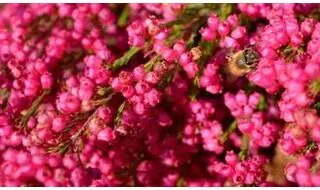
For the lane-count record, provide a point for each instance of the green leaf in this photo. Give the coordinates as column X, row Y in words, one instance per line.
column 194, row 92
column 244, row 147
column 102, row 91
column 246, row 21
column 4, row 95
column 192, row 12
column 187, row 14
column 262, row 105
column 123, row 18
column 121, row 108
column 166, row 79
column 311, row 146
column 207, row 49
column 232, row 127
column 103, row 100
column 315, row 87
column 150, row 64
column 250, row 87
column 70, row 142
column 317, row 106
column 124, row 60
column 22, row 123
column 79, row 118
column 225, row 10
column 289, row 53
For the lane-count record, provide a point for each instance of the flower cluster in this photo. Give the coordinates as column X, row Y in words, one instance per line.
column 159, row 95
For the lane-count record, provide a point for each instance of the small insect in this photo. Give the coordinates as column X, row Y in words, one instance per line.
column 242, row 62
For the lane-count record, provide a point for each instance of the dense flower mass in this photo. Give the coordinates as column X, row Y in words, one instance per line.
column 160, row 95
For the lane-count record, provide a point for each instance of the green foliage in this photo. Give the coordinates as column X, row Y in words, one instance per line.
column 26, row 114
column 250, row 87
column 123, row 18
column 225, row 10
column 166, row 79
column 315, row 14
column 244, row 147
column 67, row 145
column 189, row 13
column 315, row 87
column 232, row 127
column 289, row 53
column 124, row 60
column 317, row 106
column 150, row 64
column 102, row 91
column 103, row 101
column 4, row 95
column 81, row 117
column 262, row 105
column 117, row 120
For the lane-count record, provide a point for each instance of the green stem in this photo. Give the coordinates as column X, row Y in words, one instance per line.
column 32, row 110
column 4, row 95
column 166, row 79
column 121, row 108
column 123, row 18
column 232, row 127
column 244, row 147
column 124, row 60
column 82, row 116
column 64, row 146
column 104, row 100
column 78, row 119
column 102, row 91
column 262, row 105
column 150, row 64
column 311, row 146
column 191, row 12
